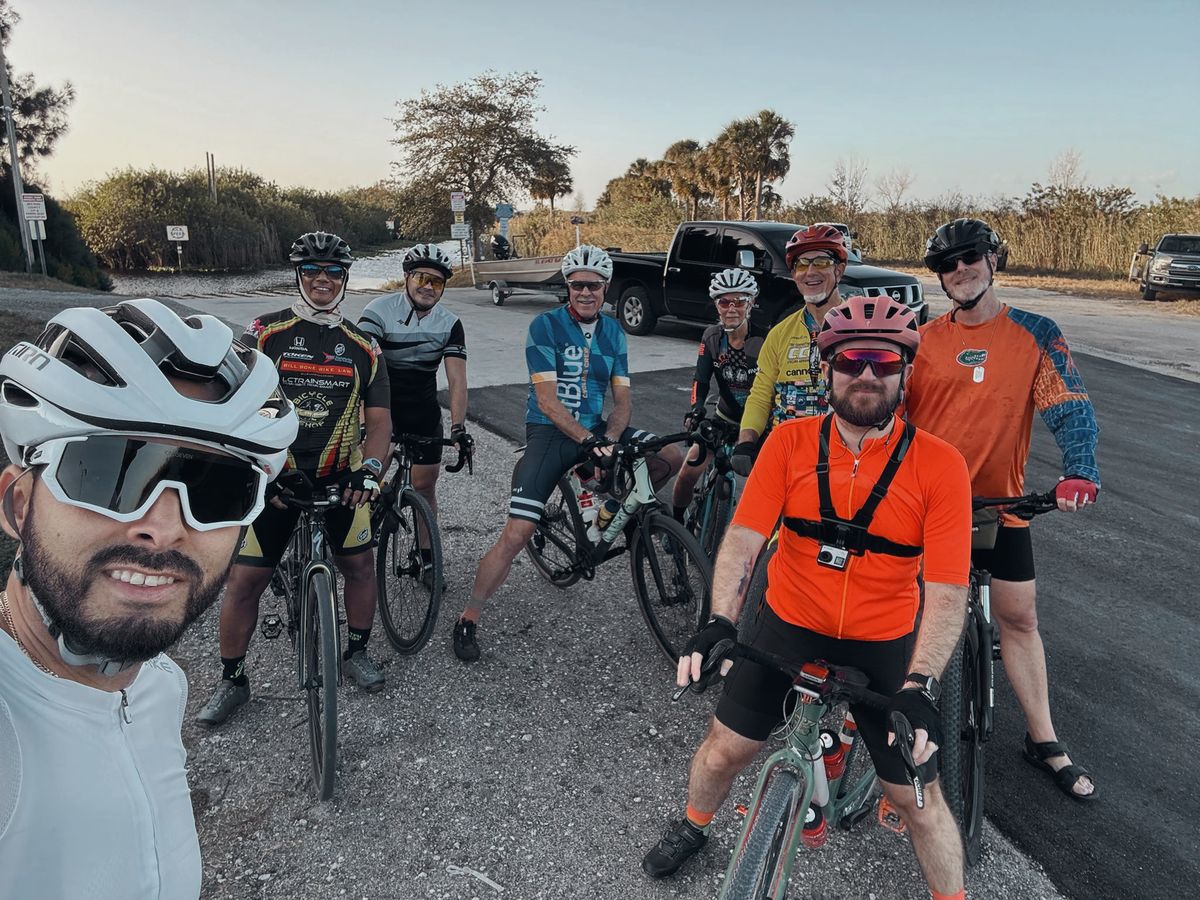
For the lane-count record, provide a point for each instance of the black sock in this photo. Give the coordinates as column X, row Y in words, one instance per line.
column 358, row 641
column 234, row 669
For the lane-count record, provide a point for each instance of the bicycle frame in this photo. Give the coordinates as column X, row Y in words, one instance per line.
column 310, row 533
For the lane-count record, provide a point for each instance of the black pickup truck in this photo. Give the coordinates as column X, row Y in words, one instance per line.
column 646, row 287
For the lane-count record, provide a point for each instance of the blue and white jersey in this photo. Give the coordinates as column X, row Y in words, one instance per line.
column 583, row 360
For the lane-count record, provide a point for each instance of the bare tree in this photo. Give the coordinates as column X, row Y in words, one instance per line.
column 892, row 187
column 1065, row 173
column 847, row 185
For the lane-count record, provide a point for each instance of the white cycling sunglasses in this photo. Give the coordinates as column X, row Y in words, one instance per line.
column 122, row 476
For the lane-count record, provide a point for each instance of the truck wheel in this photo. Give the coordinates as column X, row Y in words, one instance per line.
column 634, row 312
column 1148, row 293
column 498, row 296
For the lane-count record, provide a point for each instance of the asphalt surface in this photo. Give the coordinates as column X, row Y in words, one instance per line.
column 550, row 767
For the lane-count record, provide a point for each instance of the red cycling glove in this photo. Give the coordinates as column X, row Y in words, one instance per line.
column 1075, row 489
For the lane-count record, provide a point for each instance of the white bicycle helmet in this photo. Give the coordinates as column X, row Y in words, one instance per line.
column 732, row 281
column 430, row 255
column 128, row 351
column 586, row 258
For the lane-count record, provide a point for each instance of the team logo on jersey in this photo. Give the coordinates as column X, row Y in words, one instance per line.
column 312, row 408
column 972, row 358
column 298, row 341
column 339, row 350
column 364, row 535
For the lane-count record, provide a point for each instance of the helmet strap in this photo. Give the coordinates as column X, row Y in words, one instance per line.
column 580, row 319
column 329, row 316
column 80, row 656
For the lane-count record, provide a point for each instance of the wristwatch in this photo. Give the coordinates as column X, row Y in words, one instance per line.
column 373, row 464
column 930, row 686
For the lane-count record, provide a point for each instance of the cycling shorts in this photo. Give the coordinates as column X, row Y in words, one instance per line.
column 1011, row 558
column 548, row 455
column 752, row 703
column 424, row 419
column 348, row 529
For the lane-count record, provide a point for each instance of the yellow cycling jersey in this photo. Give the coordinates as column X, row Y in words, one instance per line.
column 789, row 383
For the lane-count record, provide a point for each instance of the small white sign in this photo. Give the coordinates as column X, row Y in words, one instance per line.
column 37, row 229
column 458, row 201
column 504, row 227
column 460, row 231
column 391, row 226
column 177, row 232
column 34, row 206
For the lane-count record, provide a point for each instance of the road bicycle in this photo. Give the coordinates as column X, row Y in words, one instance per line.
column 306, row 581
column 409, row 571
column 672, row 576
column 715, row 494
column 968, row 691
column 820, row 779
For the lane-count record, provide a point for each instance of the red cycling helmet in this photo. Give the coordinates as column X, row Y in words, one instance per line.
column 815, row 237
column 875, row 318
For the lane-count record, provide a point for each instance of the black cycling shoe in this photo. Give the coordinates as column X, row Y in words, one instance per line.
column 679, row 843
column 466, row 647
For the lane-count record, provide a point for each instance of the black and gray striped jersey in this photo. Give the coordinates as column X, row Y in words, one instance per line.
column 413, row 347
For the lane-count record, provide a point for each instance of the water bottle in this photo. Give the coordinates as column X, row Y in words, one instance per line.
column 587, row 506
column 814, row 833
column 604, row 516
column 834, row 752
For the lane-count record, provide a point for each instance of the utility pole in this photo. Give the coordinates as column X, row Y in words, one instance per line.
column 18, row 187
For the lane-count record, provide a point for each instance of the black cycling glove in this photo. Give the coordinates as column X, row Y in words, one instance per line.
column 742, row 458
column 693, row 417
column 461, row 437
column 362, row 480
column 718, row 629
column 918, row 707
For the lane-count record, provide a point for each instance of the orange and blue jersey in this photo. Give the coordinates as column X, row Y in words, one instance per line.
column 977, row 386
column 582, row 361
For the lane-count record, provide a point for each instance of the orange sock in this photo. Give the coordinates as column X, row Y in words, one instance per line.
column 697, row 818
column 961, row 895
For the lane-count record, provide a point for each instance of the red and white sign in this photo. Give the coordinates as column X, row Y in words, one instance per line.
column 458, row 201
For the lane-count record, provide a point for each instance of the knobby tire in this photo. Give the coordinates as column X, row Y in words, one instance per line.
column 757, row 868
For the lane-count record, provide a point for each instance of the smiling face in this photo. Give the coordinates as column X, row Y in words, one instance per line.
column 865, row 399
column 322, row 288
column 817, row 284
column 425, row 286
column 967, row 281
column 585, row 294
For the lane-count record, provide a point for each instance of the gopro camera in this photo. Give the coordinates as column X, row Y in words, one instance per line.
column 832, row 557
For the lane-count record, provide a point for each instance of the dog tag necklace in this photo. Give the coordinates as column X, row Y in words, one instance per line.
column 978, row 372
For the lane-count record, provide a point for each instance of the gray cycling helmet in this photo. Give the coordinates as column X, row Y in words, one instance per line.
column 429, row 256
column 94, row 371
column 320, row 246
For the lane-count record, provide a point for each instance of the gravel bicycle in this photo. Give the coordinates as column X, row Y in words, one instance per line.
column 968, row 691
column 306, row 581
column 715, row 494
column 408, row 558
column 812, row 783
column 672, row 576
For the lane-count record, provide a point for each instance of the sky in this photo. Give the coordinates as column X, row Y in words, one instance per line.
column 972, row 97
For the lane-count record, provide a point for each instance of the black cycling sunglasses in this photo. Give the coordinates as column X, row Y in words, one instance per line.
column 312, row 270
column 969, row 258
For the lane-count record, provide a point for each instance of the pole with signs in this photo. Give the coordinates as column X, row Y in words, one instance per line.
column 15, row 168
column 178, row 234
column 461, row 231
column 37, row 232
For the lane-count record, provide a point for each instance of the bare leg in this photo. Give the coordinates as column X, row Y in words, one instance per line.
column 424, row 481
column 718, row 760
column 934, row 835
column 685, row 481
column 239, row 608
column 1014, row 606
column 358, row 572
column 496, row 563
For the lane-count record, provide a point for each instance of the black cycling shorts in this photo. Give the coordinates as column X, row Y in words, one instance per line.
column 548, row 455
column 752, row 703
column 424, row 419
column 1011, row 558
column 349, row 530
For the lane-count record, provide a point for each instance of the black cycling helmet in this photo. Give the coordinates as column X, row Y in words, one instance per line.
column 428, row 256
column 957, row 237
column 320, row 246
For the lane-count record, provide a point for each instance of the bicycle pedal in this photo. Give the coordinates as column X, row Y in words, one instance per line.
column 890, row 818
column 741, row 810
column 271, row 627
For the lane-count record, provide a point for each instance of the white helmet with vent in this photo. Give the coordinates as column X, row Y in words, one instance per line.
column 733, row 281
column 586, row 258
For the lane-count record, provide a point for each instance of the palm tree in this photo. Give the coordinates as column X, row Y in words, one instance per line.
column 768, row 136
column 740, row 153
column 551, row 178
column 681, row 163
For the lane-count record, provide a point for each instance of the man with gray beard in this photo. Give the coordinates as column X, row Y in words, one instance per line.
column 142, row 445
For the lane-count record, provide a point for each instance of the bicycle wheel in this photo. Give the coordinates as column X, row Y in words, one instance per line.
column 961, row 760
column 554, row 547
column 673, row 581
column 408, row 603
column 720, row 511
column 758, row 869
column 319, row 648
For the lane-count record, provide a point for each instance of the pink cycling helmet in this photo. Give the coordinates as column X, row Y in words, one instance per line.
column 875, row 318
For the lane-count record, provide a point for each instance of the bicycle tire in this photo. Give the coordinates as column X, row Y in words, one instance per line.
column 757, row 868
column 720, row 512
column 554, row 546
column 960, row 762
column 756, row 593
column 408, row 608
column 320, row 653
column 676, row 613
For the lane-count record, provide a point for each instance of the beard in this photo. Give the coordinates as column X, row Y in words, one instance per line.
column 818, row 298
column 864, row 407
column 965, row 291
column 63, row 592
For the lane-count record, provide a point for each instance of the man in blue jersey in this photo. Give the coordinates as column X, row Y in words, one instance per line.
column 575, row 355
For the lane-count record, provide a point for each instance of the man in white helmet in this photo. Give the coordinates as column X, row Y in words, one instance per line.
column 417, row 335
column 141, row 447
column 575, row 356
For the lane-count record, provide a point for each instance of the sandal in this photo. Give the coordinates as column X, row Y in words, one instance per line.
column 1065, row 778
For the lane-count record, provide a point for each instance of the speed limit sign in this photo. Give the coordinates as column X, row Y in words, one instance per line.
column 177, row 232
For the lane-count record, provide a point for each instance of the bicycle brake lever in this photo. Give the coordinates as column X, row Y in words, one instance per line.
column 905, row 738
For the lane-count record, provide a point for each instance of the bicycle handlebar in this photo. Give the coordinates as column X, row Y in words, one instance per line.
column 1024, row 507
column 466, row 455
column 333, row 492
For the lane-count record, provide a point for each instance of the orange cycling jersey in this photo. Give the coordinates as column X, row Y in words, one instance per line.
column 875, row 598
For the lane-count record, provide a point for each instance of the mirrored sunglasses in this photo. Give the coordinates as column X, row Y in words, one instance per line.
column 312, row 270
column 427, row 279
column 819, row 263
column 882, row 362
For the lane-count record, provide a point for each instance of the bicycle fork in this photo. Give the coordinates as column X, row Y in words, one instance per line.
column 989, row 653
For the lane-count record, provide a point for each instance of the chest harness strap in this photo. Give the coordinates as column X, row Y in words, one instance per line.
column 852, row 535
